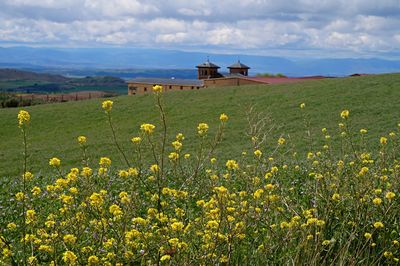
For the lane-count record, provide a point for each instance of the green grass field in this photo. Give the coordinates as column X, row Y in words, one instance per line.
column 373, row 102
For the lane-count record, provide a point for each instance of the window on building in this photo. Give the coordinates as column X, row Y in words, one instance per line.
column 181, row 87
column 145, row 89
column 170, row 87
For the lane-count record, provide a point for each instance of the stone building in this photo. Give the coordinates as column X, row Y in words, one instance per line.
column 209, row 77
column 143, row 85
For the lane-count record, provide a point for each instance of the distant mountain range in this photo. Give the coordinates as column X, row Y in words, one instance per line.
column 134, row 62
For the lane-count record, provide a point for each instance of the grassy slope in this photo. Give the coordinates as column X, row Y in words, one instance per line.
column 373, row 102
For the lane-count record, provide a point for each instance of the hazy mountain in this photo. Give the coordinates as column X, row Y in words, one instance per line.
column 136, row 60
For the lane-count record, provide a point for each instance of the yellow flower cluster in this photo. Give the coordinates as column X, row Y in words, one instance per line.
column 55, row 162
column 23, row 118
column 107, row 106
column 147, row 128
column 345, row 114
column 223, row 118
column 82, row 140
column 202, row 129
column 157, row 88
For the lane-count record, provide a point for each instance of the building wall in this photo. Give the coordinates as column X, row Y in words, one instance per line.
column 140, row 88
column 229, row 82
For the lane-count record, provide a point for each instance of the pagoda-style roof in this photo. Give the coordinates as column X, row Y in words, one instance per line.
column 207, row 64
column 239, row 65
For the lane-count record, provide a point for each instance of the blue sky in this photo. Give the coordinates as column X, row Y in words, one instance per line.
column 304, row 28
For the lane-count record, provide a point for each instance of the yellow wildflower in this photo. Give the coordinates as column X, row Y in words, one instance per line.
column 69, row 257
column 390, row 195
column 179, row 137
column 177, row 226
column 123, row 173
column 368, row 235
column 378, row 225
column 154, row 168
column 133, row 172
column 32, row 260
column 86, row 171
column 173, row 156
column 105, row 162
column 257, row 153
column 136, row 140
column 377, row 201
column 177, row 145
column 11, row 226
column 326, row 242
column 54, row 162
column 115, row 210
column 336, row 197
column 30, row 216
column 147, row 128
column 157, row 88
column 302, row 105
column 232, row 165
column 165, row 258
column 173, row 241
column 223, row 118
column 107, row 105
column 23, row 118
column 345, row 114
column 96, row 199
column 69, row 239
column 20, row 196
column 93, row 260
column 81, row 140
column 257, row 194
column 202, row 129
column 27, row 176
column 46, row 248
column 281, row 141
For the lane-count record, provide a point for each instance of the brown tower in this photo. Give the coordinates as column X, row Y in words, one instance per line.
column 208, row 70
column 239, row 68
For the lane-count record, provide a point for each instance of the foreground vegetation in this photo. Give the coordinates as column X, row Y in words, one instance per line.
column 267, row 206
column 372, row 99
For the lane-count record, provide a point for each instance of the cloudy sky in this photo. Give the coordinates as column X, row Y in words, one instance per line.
column 303, row 28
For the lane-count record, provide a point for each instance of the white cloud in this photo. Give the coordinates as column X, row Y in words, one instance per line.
column 357, row 26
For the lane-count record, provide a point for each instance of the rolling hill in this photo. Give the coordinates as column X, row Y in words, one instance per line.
column 16, row 80
column 373, row 102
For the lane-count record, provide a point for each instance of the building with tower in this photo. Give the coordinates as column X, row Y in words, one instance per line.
column 208, row 77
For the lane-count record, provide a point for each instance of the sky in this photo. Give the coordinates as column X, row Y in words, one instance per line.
column 303, row 28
